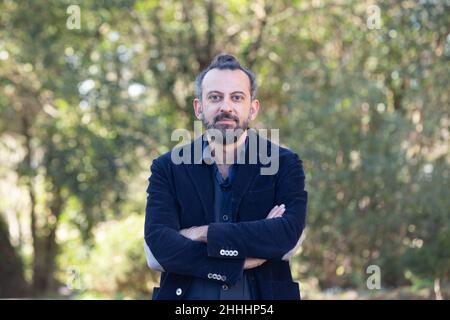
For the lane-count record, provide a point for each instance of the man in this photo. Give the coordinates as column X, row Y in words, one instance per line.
column 216, row 227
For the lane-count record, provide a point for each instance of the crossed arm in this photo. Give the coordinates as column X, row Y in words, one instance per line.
column 195, row 251
column 201, row 234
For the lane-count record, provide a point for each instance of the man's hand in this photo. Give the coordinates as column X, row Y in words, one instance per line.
column 251, row 263
column 196, row 233
column 276, row 212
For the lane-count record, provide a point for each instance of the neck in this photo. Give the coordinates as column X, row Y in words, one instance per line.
column 227, row 153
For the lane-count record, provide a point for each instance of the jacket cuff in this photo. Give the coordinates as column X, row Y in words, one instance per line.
column 219, row 245
column 229, row 272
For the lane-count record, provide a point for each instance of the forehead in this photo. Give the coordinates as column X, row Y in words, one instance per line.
column 226, row 81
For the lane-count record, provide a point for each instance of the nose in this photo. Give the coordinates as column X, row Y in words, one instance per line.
column 226, row 106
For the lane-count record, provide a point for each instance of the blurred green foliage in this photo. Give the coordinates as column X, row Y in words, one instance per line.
column 113, row 267
column 83, row 113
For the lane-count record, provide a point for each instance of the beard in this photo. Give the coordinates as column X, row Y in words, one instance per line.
column 225, row 133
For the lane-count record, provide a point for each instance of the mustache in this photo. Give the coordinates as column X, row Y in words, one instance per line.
column 226, row 116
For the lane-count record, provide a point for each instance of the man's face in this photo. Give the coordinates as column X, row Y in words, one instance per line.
column 226, row 102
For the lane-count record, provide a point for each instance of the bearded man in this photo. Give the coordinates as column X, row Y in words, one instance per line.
column 217, row 227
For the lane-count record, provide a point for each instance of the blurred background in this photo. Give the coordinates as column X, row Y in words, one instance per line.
column 90, row 92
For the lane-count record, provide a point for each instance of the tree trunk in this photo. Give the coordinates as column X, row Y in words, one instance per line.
column 12, row 280
column 46, row 250
column 44, row 265
column 437, row 288
column 44, row 237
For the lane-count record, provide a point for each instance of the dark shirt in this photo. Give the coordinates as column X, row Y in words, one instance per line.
column 210, row 289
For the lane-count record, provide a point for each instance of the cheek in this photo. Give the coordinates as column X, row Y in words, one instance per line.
column 244, row 114
column 209, row 114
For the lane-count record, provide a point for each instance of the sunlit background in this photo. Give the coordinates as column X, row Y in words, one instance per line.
column 90, row 92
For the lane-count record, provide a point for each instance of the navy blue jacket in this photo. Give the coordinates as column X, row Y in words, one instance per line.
column 182, row 195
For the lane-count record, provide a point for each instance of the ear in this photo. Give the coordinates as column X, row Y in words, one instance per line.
column 254, row 109
column 197, row 108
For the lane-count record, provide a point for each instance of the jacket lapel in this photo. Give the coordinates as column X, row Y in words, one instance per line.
column 245, row 174
column 200, row 175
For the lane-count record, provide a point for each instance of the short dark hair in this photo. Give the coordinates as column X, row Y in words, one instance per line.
column 223, row 62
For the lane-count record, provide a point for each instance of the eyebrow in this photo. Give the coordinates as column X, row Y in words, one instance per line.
column 234, row 92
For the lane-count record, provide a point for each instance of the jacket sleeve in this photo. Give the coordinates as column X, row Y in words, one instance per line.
column 267, row 238
column 173, row 252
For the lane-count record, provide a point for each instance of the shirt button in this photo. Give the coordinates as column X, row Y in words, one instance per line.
column 179, row 292
column 225, row 217
column 224, row 287
column 222, row 252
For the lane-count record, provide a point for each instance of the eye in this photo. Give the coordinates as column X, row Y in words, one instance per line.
column 237, row 98
column 214, row 97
